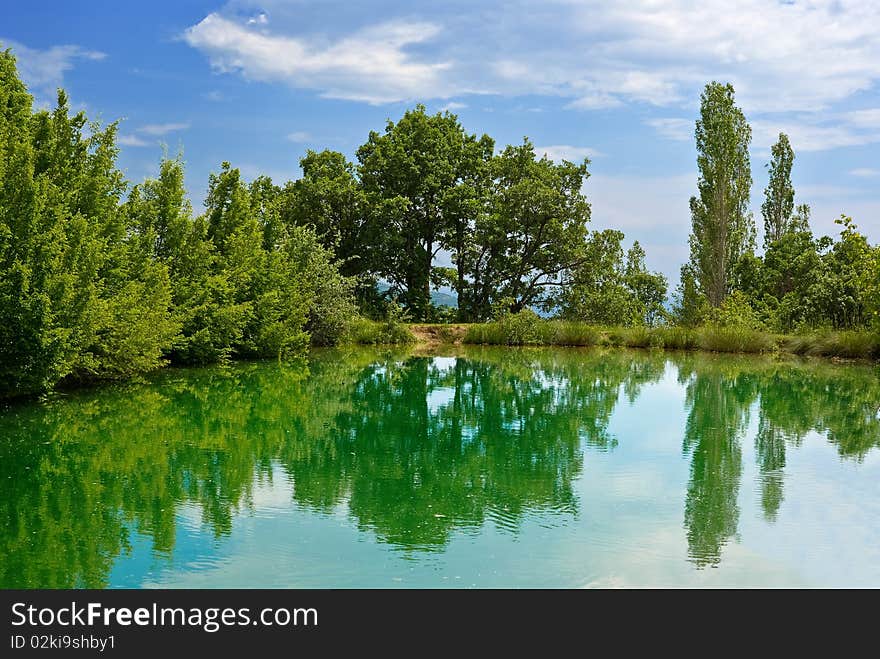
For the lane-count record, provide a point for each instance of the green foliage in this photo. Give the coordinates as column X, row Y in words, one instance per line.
column 605, row 289
column 392, row 330
column 80, row 295
column 330, row 200
column 534, row 232
column 94, row 288
column 427, row 169
column 779, row 193
column 735, row 311
column 722, row 227
column 690, row 307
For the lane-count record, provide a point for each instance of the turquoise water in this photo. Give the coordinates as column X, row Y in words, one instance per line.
column 476, row 468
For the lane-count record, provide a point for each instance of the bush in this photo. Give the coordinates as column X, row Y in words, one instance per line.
column 392, row 330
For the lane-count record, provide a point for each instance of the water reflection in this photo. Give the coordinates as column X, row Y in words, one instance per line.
column 415, row 449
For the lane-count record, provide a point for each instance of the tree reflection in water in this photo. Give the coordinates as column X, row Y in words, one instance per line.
column 414, row 448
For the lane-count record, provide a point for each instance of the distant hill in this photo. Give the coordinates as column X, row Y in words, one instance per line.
column 442, row 298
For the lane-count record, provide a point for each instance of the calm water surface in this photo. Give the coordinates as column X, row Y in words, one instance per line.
column 548, row 468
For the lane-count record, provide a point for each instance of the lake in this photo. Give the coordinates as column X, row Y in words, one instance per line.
column 472, row 467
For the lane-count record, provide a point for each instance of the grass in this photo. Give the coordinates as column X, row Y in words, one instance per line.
column 364, row 331
column 848, row 345
column 531, row 330
column 544, row 332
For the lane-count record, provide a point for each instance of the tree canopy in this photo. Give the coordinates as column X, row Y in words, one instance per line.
column 102, row 279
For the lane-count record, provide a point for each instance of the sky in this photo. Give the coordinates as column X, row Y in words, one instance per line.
column 259, row 83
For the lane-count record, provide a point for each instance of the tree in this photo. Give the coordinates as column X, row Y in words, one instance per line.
column 347, row 220
column 779, row 193
column 689, row 304
column 427, row 162
column 80, row 297
column 848, row 278
column 595, row 291
column 609, row 289
column 534, row 233
column 722, row 228
column 648, row 288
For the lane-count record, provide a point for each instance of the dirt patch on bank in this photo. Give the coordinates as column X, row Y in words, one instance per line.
column 438, row 334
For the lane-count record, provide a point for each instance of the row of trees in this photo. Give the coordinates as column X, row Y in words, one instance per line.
column 99, row 279
column 95, row 284
column 104, row 280
column 514, row 225
column 800, row 280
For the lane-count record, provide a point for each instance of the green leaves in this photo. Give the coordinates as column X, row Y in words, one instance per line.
column 534, row 231
column 430, row 174
column 606, row 289
column 722, row 227
column 779, row 193
column 92, row 288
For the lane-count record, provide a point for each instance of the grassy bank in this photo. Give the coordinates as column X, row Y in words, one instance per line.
column 363, row 331
column 541, row 332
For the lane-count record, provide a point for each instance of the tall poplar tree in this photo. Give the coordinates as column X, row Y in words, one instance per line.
column 722, row 227
column 779, row 193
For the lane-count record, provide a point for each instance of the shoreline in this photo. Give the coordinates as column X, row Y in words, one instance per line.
column 841, row 347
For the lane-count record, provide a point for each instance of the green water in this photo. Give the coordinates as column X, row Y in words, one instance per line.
column 484, row 467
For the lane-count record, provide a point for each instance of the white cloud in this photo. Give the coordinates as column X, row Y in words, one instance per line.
column 865, row 172
column 370, row 65
column 560, row 152
column 452, row 106
column 868, row 118
column 672, row 128
column 214, row 95
column 43, row 70
column 299, row 136
column 132, row 140
column 807, row 132
column 792, row 63
column 162, row 129
column 782, row 56
column 594, row 101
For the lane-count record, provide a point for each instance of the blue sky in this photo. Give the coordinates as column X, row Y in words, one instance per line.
column 258, row 83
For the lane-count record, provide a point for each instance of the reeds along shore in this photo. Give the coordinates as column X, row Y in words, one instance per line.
column 845, row 344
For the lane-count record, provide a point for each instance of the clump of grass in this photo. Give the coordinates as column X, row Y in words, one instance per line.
column 527, row 328
column 371, row 332
column 513, row 329
column 734, row 339
column 634, row 337
column 677, row 338
column 847, row 344
column 567, row 333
